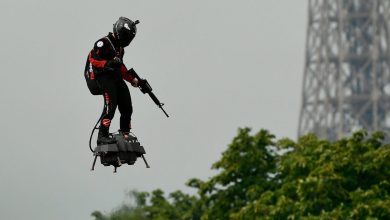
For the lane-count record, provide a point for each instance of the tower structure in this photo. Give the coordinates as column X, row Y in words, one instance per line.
column 346, row 83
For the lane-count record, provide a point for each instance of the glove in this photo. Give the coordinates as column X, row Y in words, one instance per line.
column 134, row 82
column 114, row 63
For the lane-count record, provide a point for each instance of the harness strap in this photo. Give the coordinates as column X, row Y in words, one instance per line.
column 112, row 45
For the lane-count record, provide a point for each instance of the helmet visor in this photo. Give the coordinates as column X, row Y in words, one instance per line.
column 125, row 29
column 125, row 37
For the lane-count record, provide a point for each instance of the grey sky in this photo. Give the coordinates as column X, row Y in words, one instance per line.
column 218, row 65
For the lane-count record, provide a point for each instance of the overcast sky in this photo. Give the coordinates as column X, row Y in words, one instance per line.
column 217, row 65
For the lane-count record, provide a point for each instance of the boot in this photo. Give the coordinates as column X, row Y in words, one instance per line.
column 126, row 135
column 104, row 138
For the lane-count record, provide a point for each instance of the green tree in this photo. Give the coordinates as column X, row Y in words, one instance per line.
column 245, row 172
column 259, row 178
column 347, row 179
column 152, row 205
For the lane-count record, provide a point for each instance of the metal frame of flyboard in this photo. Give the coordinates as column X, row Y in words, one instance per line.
column 121, row 152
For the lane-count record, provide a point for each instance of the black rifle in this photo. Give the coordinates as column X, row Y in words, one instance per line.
column 146, row 88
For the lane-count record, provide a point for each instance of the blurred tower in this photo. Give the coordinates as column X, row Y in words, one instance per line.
column 346, row 83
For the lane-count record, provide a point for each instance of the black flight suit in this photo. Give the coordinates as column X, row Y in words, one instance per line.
column 111, row 82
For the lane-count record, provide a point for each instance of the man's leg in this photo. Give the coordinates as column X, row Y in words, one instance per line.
column 110, row 103
column 125, row 107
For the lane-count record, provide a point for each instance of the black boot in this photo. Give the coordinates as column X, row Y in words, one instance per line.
column 127, row 136
column 104, row 138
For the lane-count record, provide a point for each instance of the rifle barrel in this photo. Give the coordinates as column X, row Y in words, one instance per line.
column 164, row 111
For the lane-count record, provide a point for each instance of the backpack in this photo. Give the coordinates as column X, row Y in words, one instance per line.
column 91, row 79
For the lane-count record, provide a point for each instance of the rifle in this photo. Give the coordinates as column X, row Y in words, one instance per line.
column 146, row 88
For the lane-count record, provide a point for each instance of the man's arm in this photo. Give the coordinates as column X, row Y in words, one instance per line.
column 99, row 57
column 127, row 76
column 96, row 56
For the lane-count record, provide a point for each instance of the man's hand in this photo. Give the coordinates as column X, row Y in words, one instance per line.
column 114, row 63
column 134, row 82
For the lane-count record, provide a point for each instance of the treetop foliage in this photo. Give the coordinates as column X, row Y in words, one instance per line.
column 262, row 178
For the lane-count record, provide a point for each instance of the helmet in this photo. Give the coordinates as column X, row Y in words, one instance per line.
column 125, row 30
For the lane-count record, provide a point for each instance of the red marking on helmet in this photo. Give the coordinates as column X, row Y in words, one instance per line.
column 92, row 76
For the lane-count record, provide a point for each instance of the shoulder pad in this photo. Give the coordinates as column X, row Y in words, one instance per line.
column 102, row 42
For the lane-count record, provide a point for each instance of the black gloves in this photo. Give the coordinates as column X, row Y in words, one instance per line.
column 114, row 63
